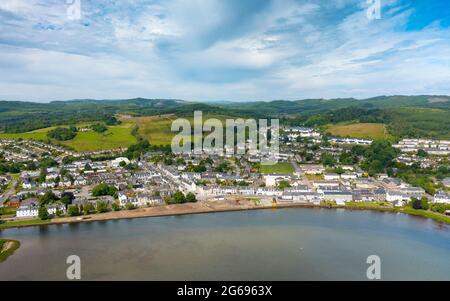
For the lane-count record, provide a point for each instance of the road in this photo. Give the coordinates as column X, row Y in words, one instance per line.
column 303, row 176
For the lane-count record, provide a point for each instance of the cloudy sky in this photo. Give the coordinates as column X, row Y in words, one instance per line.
column 222, row 49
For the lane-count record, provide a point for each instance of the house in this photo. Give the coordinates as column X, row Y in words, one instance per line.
column 349, row 176
column 397, row 198
column 312, row 169
column 48, row 185
column 80, row 181
column 326, row 184
column 273, row 179
column 331, row 176
column 146, row 199
column 301, row 197
column 446, row 182
column 53, row 209
column 28, row 184
column 65, row 183
column 116, row 162
column 27, row 211
column 123, row 198
column 340, row 197
column 441, row 197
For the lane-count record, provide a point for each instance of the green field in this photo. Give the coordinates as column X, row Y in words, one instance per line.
column 116, row 136
column 157, row 129
column 279, row 168
column 375, row 131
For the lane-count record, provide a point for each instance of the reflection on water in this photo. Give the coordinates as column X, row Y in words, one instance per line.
column 287, row 244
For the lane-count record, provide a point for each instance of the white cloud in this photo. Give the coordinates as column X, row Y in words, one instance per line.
column 172, row 49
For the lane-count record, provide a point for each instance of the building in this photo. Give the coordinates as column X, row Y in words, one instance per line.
column 397, row 197
column 340, row 197
column 441, row 197
column 331, row 176
column 27, row 211
column 272, row 180
column 312, row 169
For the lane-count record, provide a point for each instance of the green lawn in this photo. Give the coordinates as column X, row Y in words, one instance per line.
column 429, row 214
column 157, row 129
column 279, row 168
column 116, row 136
column 12, row 224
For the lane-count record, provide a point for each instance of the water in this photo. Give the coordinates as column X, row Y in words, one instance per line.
column 283, row 244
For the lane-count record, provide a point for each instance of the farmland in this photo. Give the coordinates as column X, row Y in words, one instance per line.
column 376, row 131
column 116, row 136
column 157, row 129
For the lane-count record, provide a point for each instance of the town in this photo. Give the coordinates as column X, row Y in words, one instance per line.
column 39, row 180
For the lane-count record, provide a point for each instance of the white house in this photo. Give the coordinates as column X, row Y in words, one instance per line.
column 340, row 197
column 441, row 197
column 27, row 211
column 272, row 180
column 397, row 197
column 116, row 162
column 331, row 176
column 349, row 176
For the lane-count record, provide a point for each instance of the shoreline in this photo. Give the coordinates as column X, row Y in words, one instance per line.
column 208, row 207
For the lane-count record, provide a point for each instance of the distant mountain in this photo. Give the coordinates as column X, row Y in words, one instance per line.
column 16, row 116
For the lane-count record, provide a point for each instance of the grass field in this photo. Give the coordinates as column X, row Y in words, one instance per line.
column 157, row 129
column 19, row 223
column 116, row 136
column 375, row 131
column 279, row 168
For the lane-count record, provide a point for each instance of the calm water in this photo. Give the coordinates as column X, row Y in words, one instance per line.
column 287, row 244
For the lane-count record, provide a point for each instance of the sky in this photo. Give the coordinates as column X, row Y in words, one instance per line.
column 210, row 50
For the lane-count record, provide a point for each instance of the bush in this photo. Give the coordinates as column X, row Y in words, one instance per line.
column 190, row 197
column 115, row 206
column 130, row 206
column 73, row 210
column 102, row 207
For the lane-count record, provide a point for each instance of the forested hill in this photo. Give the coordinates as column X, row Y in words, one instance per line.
column 405, row 115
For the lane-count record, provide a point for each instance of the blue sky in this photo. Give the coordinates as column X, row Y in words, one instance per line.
column 237, row 50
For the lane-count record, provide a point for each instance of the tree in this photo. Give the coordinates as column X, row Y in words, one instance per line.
column 73, row 210
column 190, row 197
column 99, row 128
column 104, row 189
column 43, row 213
column 327, row 160
column 67, row 198
column 88, row 209
column 48, row 198
column 283, row 184
column 102, row 207
column 179, row 198
column 416, row 203
column 422, row 153
column 62, row 134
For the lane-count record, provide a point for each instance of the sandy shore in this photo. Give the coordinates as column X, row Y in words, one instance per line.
column 166, row 210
